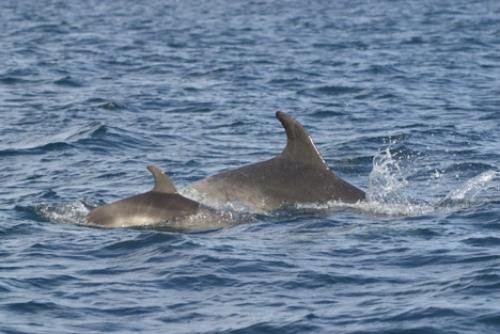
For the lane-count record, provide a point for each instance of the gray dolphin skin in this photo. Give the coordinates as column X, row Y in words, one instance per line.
column 298, row 175
column 162, row 205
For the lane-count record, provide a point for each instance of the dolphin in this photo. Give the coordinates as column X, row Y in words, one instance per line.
column 299, row 175
column 162, row 206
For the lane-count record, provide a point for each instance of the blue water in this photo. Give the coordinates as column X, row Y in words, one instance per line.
column 402, row 99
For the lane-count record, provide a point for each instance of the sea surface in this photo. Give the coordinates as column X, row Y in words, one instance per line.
column 402, row 98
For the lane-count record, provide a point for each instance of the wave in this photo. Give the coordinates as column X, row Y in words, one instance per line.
column 61, row 140
column 331, row 90
column 68, row 81
column 93, row 136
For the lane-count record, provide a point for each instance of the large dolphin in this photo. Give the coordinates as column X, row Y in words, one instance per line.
column 298, row 175
column 162, row 206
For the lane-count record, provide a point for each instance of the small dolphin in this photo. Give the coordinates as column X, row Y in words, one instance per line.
column 162, row 205
column 298, row 175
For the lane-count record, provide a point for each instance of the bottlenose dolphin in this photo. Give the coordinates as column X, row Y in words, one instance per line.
column 161, row 205
column 298, row 175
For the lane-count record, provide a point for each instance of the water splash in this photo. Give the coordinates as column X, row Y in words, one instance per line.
column 67, row 213
column 468, row 191
column 387, row 181
column 390, row 193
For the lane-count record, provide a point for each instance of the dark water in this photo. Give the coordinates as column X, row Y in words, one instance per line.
column 402, row 98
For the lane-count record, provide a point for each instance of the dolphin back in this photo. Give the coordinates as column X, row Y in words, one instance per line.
column 299, row 174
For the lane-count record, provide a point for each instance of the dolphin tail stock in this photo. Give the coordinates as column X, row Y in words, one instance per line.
column 299, row 146
column 163, row 184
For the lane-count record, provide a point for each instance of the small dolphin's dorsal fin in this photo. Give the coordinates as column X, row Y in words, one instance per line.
column 162, row 181
column 299, row 146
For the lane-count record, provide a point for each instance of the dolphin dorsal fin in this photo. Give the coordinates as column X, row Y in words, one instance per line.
column 162, row 181
column 299, row 146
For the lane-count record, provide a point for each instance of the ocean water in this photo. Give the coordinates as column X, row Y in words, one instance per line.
column 401, row 97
